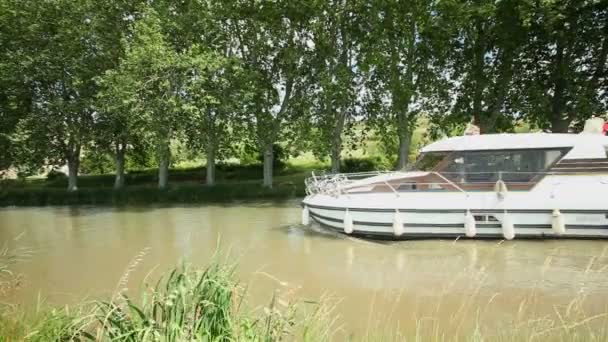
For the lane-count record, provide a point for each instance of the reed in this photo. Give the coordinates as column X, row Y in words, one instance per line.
column 200, row 305
column 9, row 256
column 477, row 316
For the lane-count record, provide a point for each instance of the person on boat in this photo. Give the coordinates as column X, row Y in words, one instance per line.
column 605, row 126
column 595, row 124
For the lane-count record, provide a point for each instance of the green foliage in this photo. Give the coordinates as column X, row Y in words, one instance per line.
column 333, row 96
column 120, row 82
column 187, row 305
column 55, row 175
column 362, row 164
column 62, row 49
column 238, row 183
column 405, row 51
column 485, row 40
column 96, row 161
column 59, row 325
column 563, row 66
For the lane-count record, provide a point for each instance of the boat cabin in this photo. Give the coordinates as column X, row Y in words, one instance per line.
column 478, row 162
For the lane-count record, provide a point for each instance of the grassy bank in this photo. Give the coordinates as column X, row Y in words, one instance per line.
column 186, row 185
column 149, row 194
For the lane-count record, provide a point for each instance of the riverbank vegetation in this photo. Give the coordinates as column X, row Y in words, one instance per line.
column 126, row 85
column 186, row 305
column 234, row 182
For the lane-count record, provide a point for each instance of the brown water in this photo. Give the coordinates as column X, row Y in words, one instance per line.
column 380, row 288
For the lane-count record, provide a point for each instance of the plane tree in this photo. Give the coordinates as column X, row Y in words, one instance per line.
column 404, row 54
column 215, row 89
column 147, row 85
column 336, row 80
column 564, row 63
column 65, row 51
column 270, row 40
column 486, row 39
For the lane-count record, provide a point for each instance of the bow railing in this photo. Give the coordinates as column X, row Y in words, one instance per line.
column 343, row 183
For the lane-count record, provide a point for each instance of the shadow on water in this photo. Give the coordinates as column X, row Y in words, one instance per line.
column 315, row 230
column 309, row 231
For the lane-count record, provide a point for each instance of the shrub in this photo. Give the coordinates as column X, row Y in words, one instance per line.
column 188, row 193
column 96, row 161
column 54, row 175
column 360, row 164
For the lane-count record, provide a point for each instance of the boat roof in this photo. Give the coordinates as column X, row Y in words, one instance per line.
column 511, row 141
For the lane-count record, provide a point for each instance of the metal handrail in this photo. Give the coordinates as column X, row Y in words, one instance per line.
column 391, row 187
column 449, row 181
column 335, row 183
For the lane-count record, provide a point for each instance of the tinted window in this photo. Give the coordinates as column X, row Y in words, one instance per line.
column 486, row 166
column 429, row 161
column 489, row 166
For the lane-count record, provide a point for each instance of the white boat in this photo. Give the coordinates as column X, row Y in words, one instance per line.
column 479, row 186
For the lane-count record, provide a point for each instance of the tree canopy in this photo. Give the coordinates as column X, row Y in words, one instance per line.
column 128, row 78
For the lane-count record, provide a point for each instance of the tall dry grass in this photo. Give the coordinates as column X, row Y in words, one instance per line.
column 480, row 315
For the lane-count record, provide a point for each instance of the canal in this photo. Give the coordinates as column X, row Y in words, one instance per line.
column 454, row 287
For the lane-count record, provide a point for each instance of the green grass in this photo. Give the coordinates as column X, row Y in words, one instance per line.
column 185, row 305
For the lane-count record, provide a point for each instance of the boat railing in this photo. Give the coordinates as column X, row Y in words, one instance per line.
column 342, row 183
column 334, row 183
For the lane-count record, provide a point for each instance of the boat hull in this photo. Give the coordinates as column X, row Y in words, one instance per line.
column 384, row 229
column 427, row 216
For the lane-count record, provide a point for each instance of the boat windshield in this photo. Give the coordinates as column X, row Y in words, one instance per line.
column 490, row 165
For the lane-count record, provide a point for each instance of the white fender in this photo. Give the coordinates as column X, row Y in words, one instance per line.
column 348, row 222
column 470, row 228
column 397, row 224
column 557, row 222
column 507, row 227
column 305, row 216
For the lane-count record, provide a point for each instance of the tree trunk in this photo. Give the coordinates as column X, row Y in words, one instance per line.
column 405, row 139
column 163, row 167
column 559, row 121
column 336, row 142
column 268, row 159
column 478, row 75
column 73, row 166
column 210, row 180
column 119, row 180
